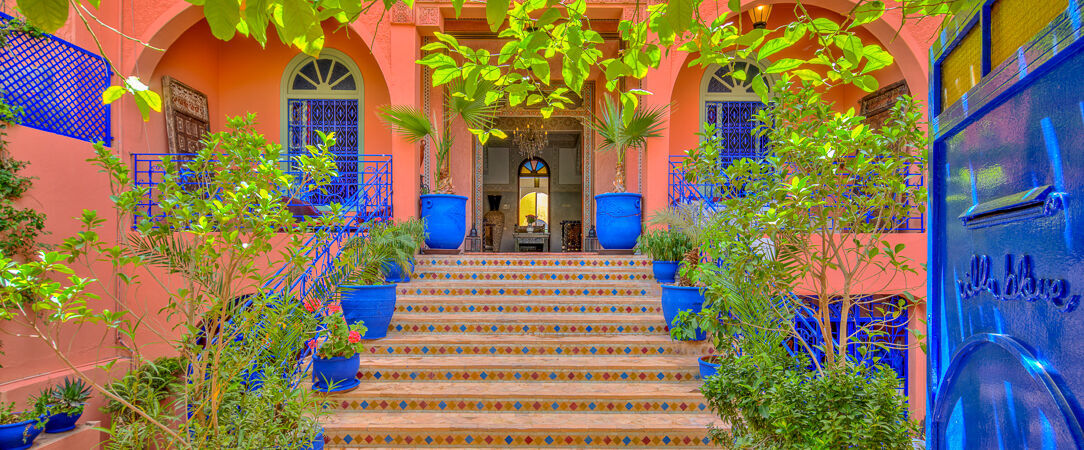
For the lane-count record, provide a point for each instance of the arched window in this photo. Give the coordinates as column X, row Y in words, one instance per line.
column 325, row 94
column 730, row 104
column 534, row 192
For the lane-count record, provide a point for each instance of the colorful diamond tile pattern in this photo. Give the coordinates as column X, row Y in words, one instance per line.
column 507, row 350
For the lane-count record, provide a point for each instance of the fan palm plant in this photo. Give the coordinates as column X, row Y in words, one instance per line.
column 622, row 135
column 467, row 104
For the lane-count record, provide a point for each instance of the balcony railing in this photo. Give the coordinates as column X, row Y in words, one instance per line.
column 365, row 192
column 680, row 190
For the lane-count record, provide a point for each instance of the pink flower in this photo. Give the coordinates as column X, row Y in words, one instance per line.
column 334, row 308
column 354, row 338
column 312, row 305
column 312, row 344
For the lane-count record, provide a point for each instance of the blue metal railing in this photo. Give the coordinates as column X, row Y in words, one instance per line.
column 680, row 190
column 58, row 85
column 369, row 186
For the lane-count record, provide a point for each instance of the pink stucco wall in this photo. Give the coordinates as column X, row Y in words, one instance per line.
column 239, row 76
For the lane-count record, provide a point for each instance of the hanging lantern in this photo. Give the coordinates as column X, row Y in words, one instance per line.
column 759, row 16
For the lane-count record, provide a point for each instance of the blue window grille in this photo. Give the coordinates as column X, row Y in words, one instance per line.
column 734, row 124
column 305, row 116
column 868, row 321
column 58, row 85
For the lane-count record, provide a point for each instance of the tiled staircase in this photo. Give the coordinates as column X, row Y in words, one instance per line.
column 525, row 350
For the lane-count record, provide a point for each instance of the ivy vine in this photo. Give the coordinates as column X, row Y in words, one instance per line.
column 19, row 226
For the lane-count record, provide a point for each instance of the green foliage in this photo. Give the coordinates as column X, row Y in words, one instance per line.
column 770, row 401
column 19, row 26
column 19, row 226
column 467, row 104
column 664, row 245
column 363, row 258
column 145, row 387
column 69, row 397
column 689, row 219
column 8, row 415
column 622, row 128
column 340, row 338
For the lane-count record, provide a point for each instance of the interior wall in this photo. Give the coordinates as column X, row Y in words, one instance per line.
column 565, row 198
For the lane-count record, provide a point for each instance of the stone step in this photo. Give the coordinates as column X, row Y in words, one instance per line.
column 532, row 289
column 509, row 304
column 524, row 260
column 546, row 324
column 664, row 369
column 442, row 345
column 677, row 398
column 504, row 430
column 548, row 275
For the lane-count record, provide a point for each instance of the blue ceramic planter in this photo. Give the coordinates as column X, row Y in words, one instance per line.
column 318, row 442
column 681, row 298
column 445, row 219
column 708, row 368
column 335, row 374
column 373, row 305
column 60, row 422
column 393, row 273
column 665, row 271
column 11, row 435
column 618, row 218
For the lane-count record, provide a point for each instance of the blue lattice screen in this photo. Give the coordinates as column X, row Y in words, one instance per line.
column 305, row 117
column 734, row 123
column 58, row 85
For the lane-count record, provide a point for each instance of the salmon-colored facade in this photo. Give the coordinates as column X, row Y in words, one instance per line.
column 240, row 77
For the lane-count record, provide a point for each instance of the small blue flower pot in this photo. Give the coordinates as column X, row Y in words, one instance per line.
column 618, row 218
column 682, row 298
column 11, row 435
column 665, row 271
column 393, row 273
column 60, row 422
column 708, row 368
column 372, row 305
column 445, row 218
column 336, row 374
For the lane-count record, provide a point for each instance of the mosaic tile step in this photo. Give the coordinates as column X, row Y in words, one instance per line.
column 683, row 398
column 442, row 345
column 504, row 430
column 584, row 260
column 499, row 323
column 520, row 304
column 665, row 369
column 533, row 289
column 539, row 274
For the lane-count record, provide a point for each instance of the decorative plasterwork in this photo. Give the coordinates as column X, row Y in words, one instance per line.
column 401, row 14
column 428, row 16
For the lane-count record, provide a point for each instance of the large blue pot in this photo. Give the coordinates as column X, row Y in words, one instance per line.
column 682, row 298
column 445, row 219
column 665, row 271
column 372, row 305
column 60, row 422
column 708, row 368
column 393, row 273
column 618, row 221
column 11, row 435
column 335, row 374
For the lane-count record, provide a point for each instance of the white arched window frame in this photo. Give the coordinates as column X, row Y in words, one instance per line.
column 729, row 104
column 325, row 94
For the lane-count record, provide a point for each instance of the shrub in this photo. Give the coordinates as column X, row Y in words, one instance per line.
column 664, row 245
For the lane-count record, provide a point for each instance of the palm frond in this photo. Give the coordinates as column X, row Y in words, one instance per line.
column 616, row 134
column 408, row 121
column 468, row 103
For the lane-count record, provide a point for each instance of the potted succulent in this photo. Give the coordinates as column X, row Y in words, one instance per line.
column 622, row 211
column 67, row 402
column 666, row 248
column 444, row 213
column 366, row 296
column 686, row 294
column 336, row 358
column 411, row 234
column 19, row 429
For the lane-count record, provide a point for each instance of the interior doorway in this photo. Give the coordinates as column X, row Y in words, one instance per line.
column 533, row 197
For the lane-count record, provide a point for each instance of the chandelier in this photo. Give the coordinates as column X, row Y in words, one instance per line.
column 531, row 141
